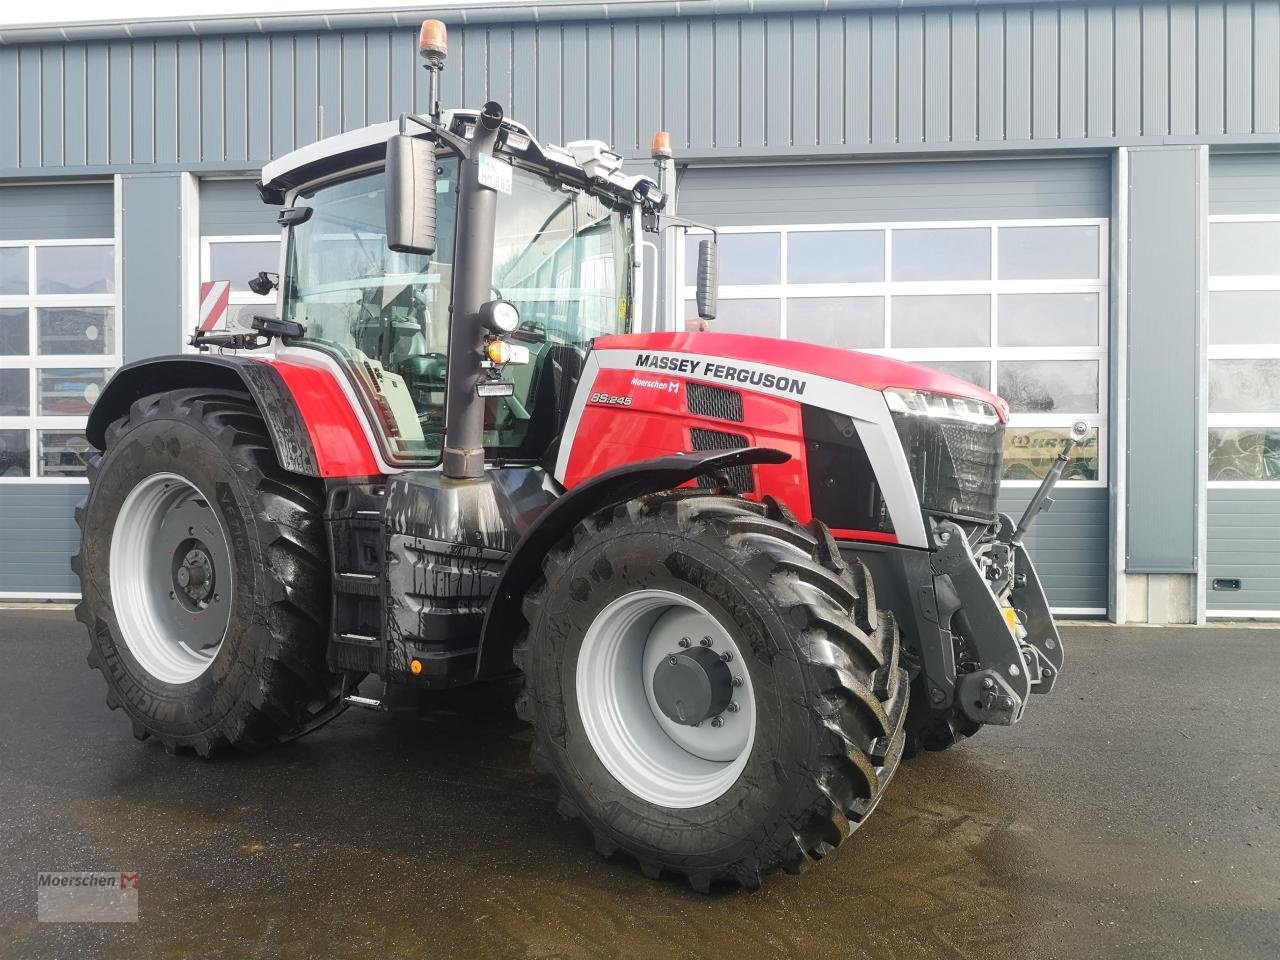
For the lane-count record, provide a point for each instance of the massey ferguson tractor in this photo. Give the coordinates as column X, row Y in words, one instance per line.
column 737, row 578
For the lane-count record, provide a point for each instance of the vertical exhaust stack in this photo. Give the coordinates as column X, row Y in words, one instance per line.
column 472, row 284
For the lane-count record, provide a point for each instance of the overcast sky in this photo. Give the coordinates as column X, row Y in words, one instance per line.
column 13, row 13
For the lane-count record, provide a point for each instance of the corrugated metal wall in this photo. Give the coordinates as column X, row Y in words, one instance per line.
column 801, row 83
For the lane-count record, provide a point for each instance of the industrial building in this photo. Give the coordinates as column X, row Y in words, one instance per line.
column 1075, row 204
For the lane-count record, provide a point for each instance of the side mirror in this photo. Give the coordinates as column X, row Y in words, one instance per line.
column 411, row 194
column 708, row 278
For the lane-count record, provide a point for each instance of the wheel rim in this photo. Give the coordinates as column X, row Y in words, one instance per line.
column 624, row 698
column 170, row 578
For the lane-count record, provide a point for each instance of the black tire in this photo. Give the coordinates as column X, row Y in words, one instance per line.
column 930, row 729
column 268, row 680
column 830, row 695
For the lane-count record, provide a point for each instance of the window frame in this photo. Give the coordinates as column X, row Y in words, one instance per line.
column 238, row 298
column 992, row 287
column 33, row 423
column 1240, row 351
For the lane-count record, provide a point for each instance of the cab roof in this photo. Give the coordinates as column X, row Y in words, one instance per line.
column 588, row 164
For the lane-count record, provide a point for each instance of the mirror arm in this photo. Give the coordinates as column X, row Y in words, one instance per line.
column 438, row 133
column 662, row 221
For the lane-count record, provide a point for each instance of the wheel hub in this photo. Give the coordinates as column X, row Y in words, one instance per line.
column 692, row 686
column 193, row 574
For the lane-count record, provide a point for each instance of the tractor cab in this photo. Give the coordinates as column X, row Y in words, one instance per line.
column 562, row 271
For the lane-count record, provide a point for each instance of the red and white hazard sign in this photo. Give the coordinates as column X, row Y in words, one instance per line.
column 214, row 295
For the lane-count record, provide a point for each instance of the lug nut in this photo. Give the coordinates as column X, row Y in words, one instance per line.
column 737, row 681
column 717, row 721
column 705, row 641
column 733, row 707
column 684, row 641
column 726, row 656
column 673, row 661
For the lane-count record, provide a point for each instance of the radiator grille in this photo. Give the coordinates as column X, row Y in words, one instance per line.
column 741, row 478
column 715, row 402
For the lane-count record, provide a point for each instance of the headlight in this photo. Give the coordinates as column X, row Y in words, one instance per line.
column 923, row 403
column 954, row 448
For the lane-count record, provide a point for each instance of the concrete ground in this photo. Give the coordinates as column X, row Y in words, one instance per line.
column 1134, row 813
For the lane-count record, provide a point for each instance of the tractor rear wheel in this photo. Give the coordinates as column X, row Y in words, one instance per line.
column 711, row 686
column 204, row 577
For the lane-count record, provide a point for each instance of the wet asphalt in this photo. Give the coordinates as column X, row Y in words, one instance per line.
column 1134, row 813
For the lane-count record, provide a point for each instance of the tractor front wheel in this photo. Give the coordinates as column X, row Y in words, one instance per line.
column 204, row 577
column 711, row 686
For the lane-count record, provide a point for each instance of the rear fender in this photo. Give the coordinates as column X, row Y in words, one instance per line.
column 289, row 434
column 503, row 619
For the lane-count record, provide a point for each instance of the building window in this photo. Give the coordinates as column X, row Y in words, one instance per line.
column 59, row 343
column 1244, row 350
column 239, row 259
column 1017, row 307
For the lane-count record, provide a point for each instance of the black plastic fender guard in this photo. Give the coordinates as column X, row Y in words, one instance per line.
column 503, row 619
column 133, row 381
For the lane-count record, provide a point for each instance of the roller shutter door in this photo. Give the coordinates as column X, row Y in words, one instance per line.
column 995, row 270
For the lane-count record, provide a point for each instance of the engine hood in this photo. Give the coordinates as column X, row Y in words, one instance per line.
column 835, row 363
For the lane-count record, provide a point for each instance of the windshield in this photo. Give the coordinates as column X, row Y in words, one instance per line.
column 560, row 256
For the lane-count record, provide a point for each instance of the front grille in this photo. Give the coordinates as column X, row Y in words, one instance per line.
column 740, row 478
column 955, row 464
column 705, row 401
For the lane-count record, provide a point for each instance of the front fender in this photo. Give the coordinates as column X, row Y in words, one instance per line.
column 503, row 619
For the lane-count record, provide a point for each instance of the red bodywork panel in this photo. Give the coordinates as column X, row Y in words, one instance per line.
column 342, row 449
column 635, row 411
column 860, row 369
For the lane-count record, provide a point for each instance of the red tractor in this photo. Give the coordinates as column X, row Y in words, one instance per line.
column 737, row 577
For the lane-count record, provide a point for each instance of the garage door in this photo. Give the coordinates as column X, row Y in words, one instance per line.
column 1244, row 386
column 238, row 237
column 59, row 341
column 995, row 271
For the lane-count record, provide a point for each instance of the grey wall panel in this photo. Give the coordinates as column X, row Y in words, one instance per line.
column 151, row 298
column 1163, row 363
column 1244, row 183
column 76, row 211
column 1244, row 544
column 783, row 83
column 233, row 208
column 1068, row 544
column 39, row 533
column 870, row 192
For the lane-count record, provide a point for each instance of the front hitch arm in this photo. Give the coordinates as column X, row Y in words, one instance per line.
column 1042, row 501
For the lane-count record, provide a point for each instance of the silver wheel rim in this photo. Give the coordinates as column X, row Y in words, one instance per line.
column 170, row 578
column 650, row 754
